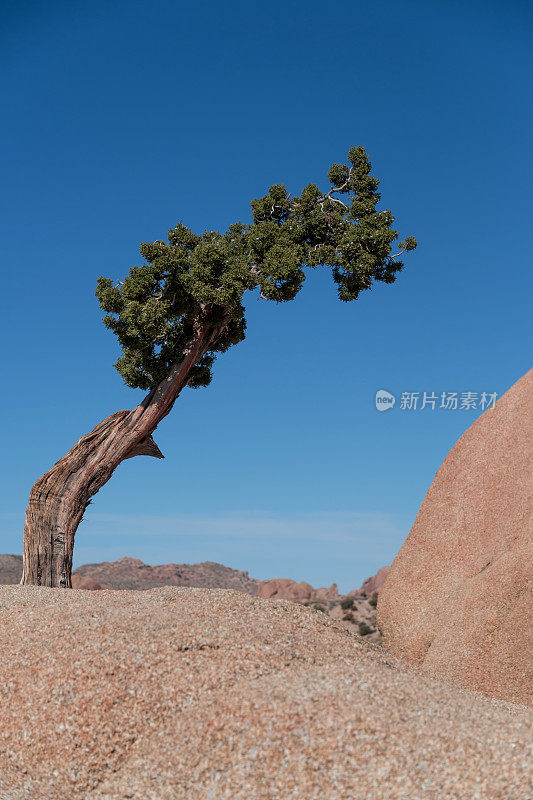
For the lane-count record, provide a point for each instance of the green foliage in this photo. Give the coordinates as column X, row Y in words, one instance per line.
column 197, row 281
column 364, row 629
column 349, row 617
column 373, row 600
column 347, row 603
column 320, row 607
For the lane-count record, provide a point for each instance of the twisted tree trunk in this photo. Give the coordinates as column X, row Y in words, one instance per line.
column 59, row 498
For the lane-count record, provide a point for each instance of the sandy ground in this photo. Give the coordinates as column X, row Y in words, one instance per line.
column 202, row 694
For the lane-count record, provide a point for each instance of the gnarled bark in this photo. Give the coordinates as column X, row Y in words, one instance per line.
column 59, row 498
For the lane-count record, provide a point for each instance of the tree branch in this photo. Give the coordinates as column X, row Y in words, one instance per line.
column 146, row 447
column 399, row 254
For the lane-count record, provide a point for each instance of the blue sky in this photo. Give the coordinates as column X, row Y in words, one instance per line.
column 121, row 119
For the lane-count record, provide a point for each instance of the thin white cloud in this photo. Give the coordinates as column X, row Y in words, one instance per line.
column 338, row 527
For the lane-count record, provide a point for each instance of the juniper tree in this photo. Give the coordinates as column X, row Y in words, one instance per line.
column 184, row 305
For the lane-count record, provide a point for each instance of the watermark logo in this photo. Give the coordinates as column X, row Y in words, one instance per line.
column 384, row 400
column 432, row 401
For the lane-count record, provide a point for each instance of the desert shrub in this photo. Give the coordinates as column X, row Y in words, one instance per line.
column 320, row 607
column 349, row 617
column 347, row 603
column 364, row 629
column 373, row 600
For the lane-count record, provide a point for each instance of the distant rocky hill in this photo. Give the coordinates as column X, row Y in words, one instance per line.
column 132, row 573
column 10, row 569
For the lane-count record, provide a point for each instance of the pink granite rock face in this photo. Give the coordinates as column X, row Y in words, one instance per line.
column 373, row 584
column 323, row 593
column 285, row 589
column 457, row 601
column 208, row 694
